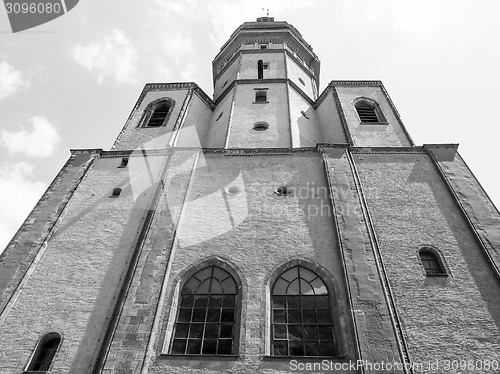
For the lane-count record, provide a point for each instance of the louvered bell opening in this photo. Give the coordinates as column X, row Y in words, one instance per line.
column 158, row 116
column 367, row 114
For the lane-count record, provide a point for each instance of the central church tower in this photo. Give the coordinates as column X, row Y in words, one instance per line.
column 265, row 78
column 268, row 229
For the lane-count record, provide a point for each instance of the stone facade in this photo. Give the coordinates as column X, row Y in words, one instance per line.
column 105, row 271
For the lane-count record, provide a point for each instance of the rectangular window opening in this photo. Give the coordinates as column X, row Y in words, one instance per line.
column 261, row 97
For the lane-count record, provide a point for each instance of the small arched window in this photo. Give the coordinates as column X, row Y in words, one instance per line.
column 157, row 113
column 44, row 353
column 431, row 262
column 368, row 112
column 301, row 319
column 206, row 322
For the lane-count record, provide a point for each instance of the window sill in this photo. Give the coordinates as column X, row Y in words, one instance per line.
column 305, row 358
column 188, row 357
column 261, row 102
column 436, row 275
column 374, row 123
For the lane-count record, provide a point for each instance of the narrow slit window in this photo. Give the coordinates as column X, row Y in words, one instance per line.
column 124, row 162
column 260, row 69
column 301, row 317
column 206, row 322
column 116, row 192
column 44, row 353
column 431, row 262
column 261, row 97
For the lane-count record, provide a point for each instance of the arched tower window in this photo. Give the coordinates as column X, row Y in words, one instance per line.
column 44, row 353
column 368, row 111
column 207, row 318
column 301, row 315
column 157, row 113
column 431, row 262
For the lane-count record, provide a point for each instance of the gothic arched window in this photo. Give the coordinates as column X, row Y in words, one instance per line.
column 431, row 262
column 302, row 324
column 157, row 113
column 207, row 318
column 368, row 111
column 44, row 353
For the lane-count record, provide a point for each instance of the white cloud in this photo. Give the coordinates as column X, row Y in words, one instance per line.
column 40, row 141
column 113, row 55
column 419, row 17
column 11, row 80
column 19, row 195
column 180, row 53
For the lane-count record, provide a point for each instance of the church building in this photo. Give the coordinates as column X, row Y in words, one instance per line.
column 268, row 229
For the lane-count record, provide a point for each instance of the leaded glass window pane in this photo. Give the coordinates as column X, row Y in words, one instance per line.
column 206, row 319
column 301, row 318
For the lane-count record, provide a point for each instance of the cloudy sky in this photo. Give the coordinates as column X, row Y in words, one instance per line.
column 72, row 83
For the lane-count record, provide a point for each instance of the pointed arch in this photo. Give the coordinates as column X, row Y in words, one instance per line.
column 157, row 113
column 208, row 312
column 432, row 262
column 305, row 316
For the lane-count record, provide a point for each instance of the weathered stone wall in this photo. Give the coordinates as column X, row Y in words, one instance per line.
column 455, row 317
column 194, row 130
column 305, row 131
column 254, row 232
column 368, row 294
column 276, row 65
column 73, row 283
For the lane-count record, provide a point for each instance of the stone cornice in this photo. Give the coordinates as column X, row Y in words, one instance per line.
column 263, row 82
column 85, row 151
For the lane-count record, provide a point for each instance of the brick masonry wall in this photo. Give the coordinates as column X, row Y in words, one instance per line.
column 455, row 317
column 294, row 72
column 374, row 327
column 73, row 285
column 254, row 232
column 37, row 227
